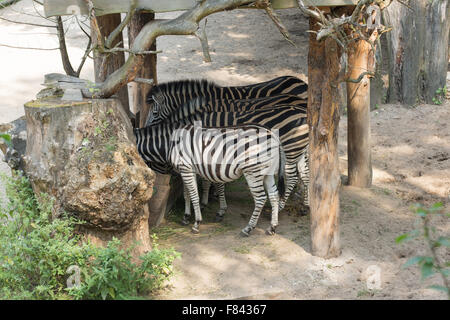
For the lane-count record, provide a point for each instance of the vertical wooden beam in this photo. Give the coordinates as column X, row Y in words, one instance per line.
column 323, row 121
column 360, row 60
column 104, row 67
column 147, row 71
column 158, row 203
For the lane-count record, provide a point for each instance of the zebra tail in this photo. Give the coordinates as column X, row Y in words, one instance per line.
column 281, row 171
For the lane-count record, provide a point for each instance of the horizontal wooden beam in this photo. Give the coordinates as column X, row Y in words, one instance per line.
column 66, row 7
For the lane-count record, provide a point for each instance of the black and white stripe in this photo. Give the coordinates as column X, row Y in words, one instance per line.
column 167, row 97
column 289, row 121
column 218, row 155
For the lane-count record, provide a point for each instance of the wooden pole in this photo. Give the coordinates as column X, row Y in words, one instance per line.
column 147, row 71
column 360, row 60
column 105, row 66
column 323, row 121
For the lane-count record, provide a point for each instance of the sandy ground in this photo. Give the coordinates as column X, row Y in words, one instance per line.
column 411, row 151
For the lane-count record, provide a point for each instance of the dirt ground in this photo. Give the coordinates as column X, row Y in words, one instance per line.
column 411, row 162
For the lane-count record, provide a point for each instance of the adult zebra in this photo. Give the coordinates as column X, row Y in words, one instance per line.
column 219, row 155
column 166, row 97
column 288, row 121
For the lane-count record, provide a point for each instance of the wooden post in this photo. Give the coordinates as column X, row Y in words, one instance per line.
column 147, row 71
column 323, row 121
column 360, row 59
column 104, row 67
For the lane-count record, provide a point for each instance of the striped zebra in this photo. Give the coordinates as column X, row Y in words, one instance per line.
column 189, row 108
column 218, row 155
column 289, row 121
column 166, row 97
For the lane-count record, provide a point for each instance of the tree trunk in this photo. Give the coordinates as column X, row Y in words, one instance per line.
column 360, row 59
column 104, row 66
column 323, row 121
column 417, row 49
column 147, row 71
column 84, row 155
column 158, row 203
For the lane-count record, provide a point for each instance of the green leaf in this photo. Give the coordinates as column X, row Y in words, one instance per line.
column 443, row 241
column 427, row 270
column 401, row 238
column 112, row 293
column 421, row 212
column 413, row 261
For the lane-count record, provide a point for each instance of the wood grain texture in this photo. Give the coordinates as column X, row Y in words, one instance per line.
column 417, row 49
column 323, row 121
column 104, row 65
column 358, row 111
column 147, row 71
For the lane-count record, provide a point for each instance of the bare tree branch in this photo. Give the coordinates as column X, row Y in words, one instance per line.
column 201, row 35
column 28, row 23
column 27, row 48
column 85, row 56
column 63, row 49
column 185, row 24
column 113, row 35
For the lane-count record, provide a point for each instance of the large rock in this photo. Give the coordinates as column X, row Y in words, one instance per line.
column 14, row 152
column 83, row 153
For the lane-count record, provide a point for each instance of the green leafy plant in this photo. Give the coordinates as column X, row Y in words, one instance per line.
column 431, row 264
column 113, row 275
column 439, row 98
column 36, row 252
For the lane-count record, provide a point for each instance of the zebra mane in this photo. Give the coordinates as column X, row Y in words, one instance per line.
column 175, row 87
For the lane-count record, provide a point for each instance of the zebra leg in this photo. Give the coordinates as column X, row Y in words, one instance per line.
column 256, row 186
column 291, row 181
column 205, row 192
column 303, row 172
column 187, row 206
column 190, row 182
column 272, row 191
column 222, row 201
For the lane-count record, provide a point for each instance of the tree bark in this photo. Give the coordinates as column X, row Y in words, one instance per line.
column 106, row 65
column 417, row 49
column 323, row 121
column 83, row 154
column 147, row 70
column 360, row 59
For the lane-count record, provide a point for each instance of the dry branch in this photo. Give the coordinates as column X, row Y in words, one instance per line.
column 185, row 24
column 201, row 35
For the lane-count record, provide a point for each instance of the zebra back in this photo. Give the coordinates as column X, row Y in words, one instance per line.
column 203, row 105
column 289, row 121
column 167, row 97
column 218, row 154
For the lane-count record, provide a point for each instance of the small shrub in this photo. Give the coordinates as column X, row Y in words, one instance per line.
column 36, row 252
column 439, row 98
column 431, row 264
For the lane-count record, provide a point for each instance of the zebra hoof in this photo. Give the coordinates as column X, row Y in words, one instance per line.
column 246, row 231
column 218, row 218
column 195, row 230
column 270, row 231
column 185, row 221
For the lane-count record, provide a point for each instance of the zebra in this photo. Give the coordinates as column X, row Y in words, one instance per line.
column 166, row 97
column 288, row 120
column 219, row 155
